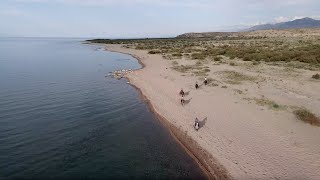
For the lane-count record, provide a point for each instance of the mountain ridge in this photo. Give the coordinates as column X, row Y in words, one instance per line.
column 295, row 24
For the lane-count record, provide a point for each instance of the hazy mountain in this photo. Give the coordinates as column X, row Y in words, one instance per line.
column 295, row 24
column 205, row 35
column 298, row 23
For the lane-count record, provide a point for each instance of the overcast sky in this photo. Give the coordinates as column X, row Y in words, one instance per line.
column 143, row 18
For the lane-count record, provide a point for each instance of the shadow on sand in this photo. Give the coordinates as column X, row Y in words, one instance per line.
column 203, row 122
column 187, row 101
column 186, row 93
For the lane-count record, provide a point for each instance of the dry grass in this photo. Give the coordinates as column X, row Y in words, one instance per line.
column 175, row 63
column 197, row 70
column 292, row 51
column 182, row 68
column 232, row 64
column 308, row 117
column 269, row 103
column 233, row 77
column 217, row 58
column 238, row 91
column 200, row 73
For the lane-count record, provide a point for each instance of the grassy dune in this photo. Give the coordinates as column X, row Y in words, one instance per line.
column 296, row 50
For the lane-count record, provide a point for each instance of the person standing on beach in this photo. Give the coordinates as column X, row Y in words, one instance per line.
column 197, row 86
column 205, row 81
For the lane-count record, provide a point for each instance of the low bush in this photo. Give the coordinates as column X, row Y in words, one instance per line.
column 198, row 56
column 175, row 63
column 154, row 52
column 316, row 76
column 217, row 58
column 198, row 63
column 176, row 54
column 306, row 116
column 255, row 62
column 206, row 70
column 247, row 57
column 234, row 77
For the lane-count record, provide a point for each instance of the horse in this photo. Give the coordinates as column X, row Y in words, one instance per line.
column 205, row 81
column 182, row 101
column 196, row 124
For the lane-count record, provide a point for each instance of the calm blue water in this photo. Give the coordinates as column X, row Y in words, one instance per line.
column 61, row 117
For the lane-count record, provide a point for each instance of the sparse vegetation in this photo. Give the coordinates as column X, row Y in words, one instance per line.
column 175, row 63
column 154, row 52
column 198, row 56
column 177, row 55
column 306, row 116
column 182, row 68
column 255, row 63
column 217, row 58
column 200, row 73
column 233, row 77
column 198, row 63
column 267, row 102
column 206, row 70
column 238, row 91
column 316, row 76
column 297, row 51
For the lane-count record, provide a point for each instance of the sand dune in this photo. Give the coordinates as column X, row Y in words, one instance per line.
column 245, row 139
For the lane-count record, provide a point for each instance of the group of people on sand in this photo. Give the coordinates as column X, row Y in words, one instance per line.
column 182, row 101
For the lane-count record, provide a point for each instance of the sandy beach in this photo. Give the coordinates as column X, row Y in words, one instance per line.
column 238, row 138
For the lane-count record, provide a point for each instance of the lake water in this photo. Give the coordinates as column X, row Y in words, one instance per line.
column 60, row 117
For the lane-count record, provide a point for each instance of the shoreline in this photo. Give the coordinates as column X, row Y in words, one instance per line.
column 238, row 137
column 171, row 130
column 190, row 146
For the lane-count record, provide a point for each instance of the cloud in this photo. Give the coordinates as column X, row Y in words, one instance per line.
column 281, row 19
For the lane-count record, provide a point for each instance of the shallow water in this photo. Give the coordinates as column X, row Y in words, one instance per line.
column 61, row 117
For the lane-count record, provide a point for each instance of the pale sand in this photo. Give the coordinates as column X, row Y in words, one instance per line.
column 239, row 139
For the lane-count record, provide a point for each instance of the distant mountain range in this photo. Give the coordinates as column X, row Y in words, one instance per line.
column 295, row 24
column 298, row 23
column 205, row 35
